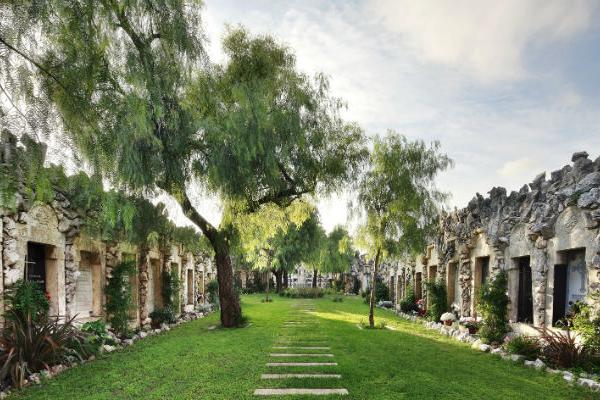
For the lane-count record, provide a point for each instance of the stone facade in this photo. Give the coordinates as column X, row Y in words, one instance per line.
column 46, row 242
column 545, row 236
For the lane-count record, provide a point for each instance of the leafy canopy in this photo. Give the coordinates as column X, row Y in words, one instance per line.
column 398, row 196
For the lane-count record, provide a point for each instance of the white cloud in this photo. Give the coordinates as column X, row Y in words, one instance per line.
column 486, row 39
column 519, row 167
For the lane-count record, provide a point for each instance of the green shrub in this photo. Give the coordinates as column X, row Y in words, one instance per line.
column 97, row 335
column 118, row 297
column 493, row 307
column 30, row 340
column 382, row 292
column 587, row 324
column 27, row 298
column 409, row 303
column 438, row 299
column 528, row 347
column 212, row 290
column 162, row 316
column 170, row 290
column 337, row 299
column 304, row 293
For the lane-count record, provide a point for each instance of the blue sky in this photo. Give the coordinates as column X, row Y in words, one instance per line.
column 510, row 88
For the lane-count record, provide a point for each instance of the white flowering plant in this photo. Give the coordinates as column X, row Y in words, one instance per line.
column 447, row 317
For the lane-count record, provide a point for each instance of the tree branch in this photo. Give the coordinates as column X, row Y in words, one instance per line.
column 190, row 211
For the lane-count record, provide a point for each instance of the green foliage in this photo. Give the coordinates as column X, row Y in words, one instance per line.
column 587, row 324
column 528, row 347
column 365, row 325
column 382, row 292
column 337, row 299
column 409, row 303
column 337, row 252
column 30, row 340
column 162, row 316
column 398, row 196
column 118, row 297
column 303, row 293
column 212, row 290
column 438, row 299
column 170, row 290
column 28, row 300
column 97, row 334
column 492, row 305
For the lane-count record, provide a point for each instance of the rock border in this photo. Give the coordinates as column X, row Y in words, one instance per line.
column 583, row 379
column 39, row 377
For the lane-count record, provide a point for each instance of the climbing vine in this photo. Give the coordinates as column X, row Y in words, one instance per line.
column 119, row 298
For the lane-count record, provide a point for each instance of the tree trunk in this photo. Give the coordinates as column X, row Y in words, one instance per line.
column 286, row 280
column 373, row 288
column 278, row 282
column 231, row 312
column 268, row 286
column 315, row 278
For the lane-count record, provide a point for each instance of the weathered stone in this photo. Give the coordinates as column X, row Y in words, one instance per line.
column 580, row 154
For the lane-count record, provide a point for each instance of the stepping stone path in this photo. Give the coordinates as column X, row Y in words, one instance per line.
column 301, row 339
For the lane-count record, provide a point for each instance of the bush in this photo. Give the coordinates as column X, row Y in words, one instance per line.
column 31, row 341
column 303, row 293
column 118, row 297
column 562, row 350
column 170, row 290
column 528, row 347
column 337, row 299
column 493, row 308
column 587, row 324
column 97, row 335
column 28, row 298
column 409, row 303
column 212, row 290
column 382, row 292
column 162, row 316
column 438, row 299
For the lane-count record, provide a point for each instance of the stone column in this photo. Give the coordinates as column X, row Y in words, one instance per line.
column 143, row 285
column 539, row 277
column 465, row 278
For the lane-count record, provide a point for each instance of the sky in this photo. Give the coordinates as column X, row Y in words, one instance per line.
column 510, row 89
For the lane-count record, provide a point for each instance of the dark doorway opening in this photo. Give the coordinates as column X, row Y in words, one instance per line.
column 560, row 293
column 525, row 297
column 35, row 264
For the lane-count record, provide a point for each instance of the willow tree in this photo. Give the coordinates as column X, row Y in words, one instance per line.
column 336, row 253
column 132, row 86
column 399, row 200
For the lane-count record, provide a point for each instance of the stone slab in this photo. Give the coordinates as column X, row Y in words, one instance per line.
column 300, row 376
column 301, row 364
column 287, row 392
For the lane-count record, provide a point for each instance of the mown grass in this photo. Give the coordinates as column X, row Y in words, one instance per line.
column 192, row 362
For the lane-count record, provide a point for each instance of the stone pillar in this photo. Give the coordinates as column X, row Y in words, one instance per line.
column 539, row 277
column 143, row 279
column 465, row 278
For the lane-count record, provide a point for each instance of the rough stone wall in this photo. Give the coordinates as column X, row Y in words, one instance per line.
column 537, row 207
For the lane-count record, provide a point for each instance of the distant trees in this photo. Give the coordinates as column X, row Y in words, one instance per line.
column 398, row 199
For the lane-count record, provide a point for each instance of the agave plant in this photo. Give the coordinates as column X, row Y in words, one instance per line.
column 32, row 341
column 561, row 348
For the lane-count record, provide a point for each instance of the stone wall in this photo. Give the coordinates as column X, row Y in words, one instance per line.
column 542, row 221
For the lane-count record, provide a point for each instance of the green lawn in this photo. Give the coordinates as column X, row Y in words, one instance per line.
column 191, row 362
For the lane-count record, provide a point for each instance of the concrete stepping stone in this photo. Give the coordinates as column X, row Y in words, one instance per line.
column 287, row 392
column 301, row 364
column 300, row 355
column 301, row 376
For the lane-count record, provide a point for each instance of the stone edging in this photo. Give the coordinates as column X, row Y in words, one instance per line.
column 53, row 371
column 583, row 379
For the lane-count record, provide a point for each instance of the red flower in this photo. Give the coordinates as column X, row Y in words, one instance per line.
column 47, row 296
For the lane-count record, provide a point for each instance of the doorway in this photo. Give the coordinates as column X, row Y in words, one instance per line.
column 525, row 295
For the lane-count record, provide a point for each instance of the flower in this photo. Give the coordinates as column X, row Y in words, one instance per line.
column 448, row 317
column 48, row 297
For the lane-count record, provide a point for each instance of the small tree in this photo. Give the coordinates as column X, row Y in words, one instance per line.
column 492, row 305
column 118, row 297
column 438, row 299
column 399, row 199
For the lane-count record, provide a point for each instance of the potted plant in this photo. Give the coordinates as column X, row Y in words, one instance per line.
column 448, row 318
column 472, row 325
